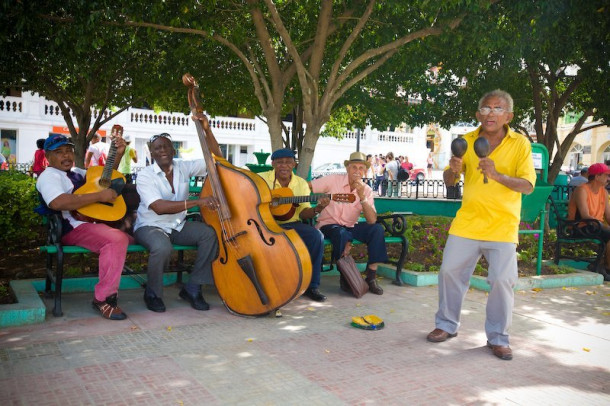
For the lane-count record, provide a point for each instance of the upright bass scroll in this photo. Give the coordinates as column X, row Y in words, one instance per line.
column 261, row 266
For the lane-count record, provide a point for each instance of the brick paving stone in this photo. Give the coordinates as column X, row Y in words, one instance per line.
column 312, row 355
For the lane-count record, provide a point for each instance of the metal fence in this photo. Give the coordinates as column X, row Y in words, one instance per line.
column 415, row 189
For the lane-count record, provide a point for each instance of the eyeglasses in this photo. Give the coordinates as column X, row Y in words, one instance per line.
column 157, row 136
column 497, row 110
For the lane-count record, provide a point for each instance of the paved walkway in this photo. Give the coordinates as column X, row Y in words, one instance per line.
column 311, row 356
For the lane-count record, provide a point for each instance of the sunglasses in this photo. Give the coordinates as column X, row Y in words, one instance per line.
column 157, row 136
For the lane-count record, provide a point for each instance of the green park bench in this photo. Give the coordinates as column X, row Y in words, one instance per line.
column 394, row 226
column 56, row 252
column 579, row 232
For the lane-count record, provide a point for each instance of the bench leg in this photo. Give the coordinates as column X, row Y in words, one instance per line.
column 49, row 278
column 59, row 273
column 180, row 266
column 403, row 255
column 557, row 251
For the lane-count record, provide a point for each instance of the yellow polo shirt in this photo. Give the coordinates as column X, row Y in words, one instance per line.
column 299, row 187
column 491, row 211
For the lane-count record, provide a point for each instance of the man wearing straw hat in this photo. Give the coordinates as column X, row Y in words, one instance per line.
column 339, row 221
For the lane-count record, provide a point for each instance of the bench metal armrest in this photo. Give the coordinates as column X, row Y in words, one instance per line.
column 54, row 228
column 194, row 216
column 579, row 229
column 576, row 229
column 394, row 224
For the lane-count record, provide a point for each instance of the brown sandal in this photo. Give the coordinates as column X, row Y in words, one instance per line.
column 109, row 308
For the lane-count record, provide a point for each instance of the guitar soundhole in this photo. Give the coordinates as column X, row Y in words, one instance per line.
column 105, row 183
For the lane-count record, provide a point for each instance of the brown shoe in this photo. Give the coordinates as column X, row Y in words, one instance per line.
column 374, row 287
column 438, row 336
column 501, row 351
column 109, row 308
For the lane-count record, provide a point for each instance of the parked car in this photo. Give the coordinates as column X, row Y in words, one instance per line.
column 417, row 174
column 327, row 169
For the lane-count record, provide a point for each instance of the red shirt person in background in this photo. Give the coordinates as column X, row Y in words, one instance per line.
column 40, row 160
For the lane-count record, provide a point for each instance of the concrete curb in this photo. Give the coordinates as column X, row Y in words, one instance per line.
column 30, row 309
column 578, row 278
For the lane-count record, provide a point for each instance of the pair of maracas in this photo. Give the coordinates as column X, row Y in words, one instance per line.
column 481, row 148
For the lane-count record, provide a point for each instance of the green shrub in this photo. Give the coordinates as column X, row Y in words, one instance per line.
column 18, row 221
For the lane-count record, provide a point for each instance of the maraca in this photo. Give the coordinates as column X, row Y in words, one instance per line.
column 458, row 148
column 481, row 148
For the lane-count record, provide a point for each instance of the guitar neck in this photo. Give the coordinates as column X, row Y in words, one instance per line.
column 302, row 199
column 109, row 165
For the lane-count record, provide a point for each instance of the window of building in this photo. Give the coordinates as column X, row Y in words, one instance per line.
column 575, row 156
column 606, row 155
column 227, row 152
column 8, row 140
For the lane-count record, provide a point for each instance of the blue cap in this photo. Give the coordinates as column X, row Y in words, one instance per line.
column 283, row 153
column 55, row 141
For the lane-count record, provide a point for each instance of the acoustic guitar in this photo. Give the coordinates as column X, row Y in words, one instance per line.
column 284, row 204
column 97, row 179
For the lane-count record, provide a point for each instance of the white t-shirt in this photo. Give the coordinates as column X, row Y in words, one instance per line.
column 392, row 167
column 97, row 150
column 53, row 182
column 152, row 186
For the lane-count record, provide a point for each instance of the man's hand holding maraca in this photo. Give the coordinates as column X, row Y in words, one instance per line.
column 451, row 176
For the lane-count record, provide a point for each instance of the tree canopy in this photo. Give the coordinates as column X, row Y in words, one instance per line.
column 551, row 55
column 60, row 50
column 307, row 53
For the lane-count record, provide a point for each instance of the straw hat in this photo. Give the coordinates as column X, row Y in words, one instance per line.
column 357, row 158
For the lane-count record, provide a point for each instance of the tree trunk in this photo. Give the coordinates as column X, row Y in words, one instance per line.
column 312, row 134
column 274, row 123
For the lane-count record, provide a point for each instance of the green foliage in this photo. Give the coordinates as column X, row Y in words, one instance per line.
column 17, row 217
column 427, row 236
column 551, row 55
column 561, row 269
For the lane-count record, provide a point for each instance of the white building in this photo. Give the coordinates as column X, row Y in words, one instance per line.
column 25, row 119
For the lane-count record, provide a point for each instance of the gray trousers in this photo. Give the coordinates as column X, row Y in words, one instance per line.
column 159, row 245
column 459, row 259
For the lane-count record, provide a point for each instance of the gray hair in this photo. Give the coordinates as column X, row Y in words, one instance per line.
column 500, row 94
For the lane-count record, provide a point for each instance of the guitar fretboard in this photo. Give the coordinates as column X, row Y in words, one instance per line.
column 107, row 172
column 301, row 199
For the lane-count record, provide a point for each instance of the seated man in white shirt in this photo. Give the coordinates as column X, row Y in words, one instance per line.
column 161, row 220
column 56, row 184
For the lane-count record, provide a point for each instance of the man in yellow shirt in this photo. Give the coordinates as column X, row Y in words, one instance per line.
column 486, row 224
column 283, row 162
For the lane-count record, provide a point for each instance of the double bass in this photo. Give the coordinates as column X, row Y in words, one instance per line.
column 260, row 266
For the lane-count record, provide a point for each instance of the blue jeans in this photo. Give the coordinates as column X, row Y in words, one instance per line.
column 370, row 234
column 314, row 241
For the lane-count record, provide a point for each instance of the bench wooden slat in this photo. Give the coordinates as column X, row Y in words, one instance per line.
column 73, row 249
